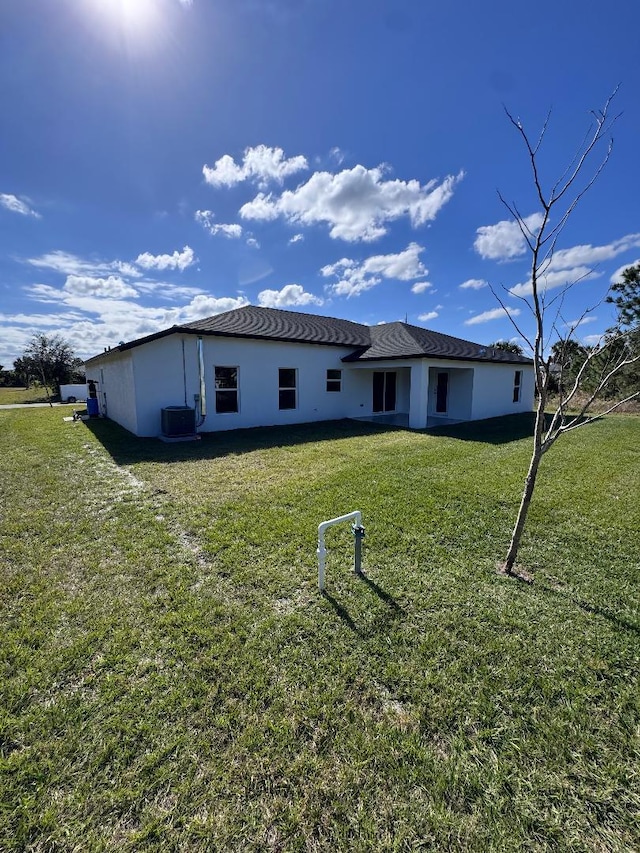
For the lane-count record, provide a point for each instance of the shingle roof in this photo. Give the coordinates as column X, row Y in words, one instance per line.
column 401, row 340
column 254, row 322
column 370, row 343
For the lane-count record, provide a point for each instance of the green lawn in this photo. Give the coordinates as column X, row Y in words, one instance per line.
column 172, row 679
column 23, row 395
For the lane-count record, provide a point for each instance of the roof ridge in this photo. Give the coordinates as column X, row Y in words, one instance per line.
column 268, row 310
column 306, row 314
column 410, row 329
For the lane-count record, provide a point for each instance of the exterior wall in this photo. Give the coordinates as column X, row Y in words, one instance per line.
column 403, row 390
column 160, row 374
column 493, row 390
column 161, row 377
column 138, row 383
column 258, row 363
column 460, row 392
column 419, row 394
column 116, row 388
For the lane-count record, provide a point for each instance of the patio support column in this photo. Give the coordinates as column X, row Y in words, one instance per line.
column 419, row 394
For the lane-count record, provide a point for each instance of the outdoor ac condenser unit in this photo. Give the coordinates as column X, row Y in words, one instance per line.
column 178, row 420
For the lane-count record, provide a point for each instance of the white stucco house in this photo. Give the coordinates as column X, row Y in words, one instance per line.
column 263, row 366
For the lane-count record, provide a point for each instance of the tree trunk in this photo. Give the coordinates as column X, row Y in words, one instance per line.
column 529, row 485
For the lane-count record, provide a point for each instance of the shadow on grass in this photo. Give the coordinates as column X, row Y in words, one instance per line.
column 341, row 611
column 388, row 599
column 559, row 592
column 395, row 609
column 126, row 448
column 492, row 430
column 499, row 430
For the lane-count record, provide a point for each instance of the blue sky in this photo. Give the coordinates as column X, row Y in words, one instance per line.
column 165, row 160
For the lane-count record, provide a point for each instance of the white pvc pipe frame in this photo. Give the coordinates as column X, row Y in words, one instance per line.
column 322, row 551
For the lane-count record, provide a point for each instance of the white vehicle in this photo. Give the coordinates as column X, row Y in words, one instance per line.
column 73, row 393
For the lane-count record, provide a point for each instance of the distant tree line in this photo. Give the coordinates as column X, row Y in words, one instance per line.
column 621, row 343
column 508, row 346
column 48, row 361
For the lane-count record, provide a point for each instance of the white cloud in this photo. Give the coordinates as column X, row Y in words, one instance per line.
column 91, row 322
column 205, row 218
column 421, row 286
column 206, row 306
column 233, row 231
column 65, row 262
column 18, row 205
column 337, row 154
column 504, row 240
column 576, row 263
column 494, row 314
column 355, row 278
column 125, row 268
column 167, row 290
column 585, row 255
column 297, row 238
column 68, row 264
column 178, row 260
column 290, row 294
column 592, row 340
column 473, row 284
column 224, row 173
column 36, row 321
column 112, row 287
column 18, row 329
column 583, row 321
column 253, row 243
column 553, row 279
column 355, row 203
column 424, row 318
column 262, row 164
column 617, row 275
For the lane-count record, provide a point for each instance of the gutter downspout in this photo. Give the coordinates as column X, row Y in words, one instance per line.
column 202, row 396
column 184, row 374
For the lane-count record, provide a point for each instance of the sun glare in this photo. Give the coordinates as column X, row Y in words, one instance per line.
column 134, row 20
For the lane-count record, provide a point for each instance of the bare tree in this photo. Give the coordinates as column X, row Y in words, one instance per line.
column 602, row 362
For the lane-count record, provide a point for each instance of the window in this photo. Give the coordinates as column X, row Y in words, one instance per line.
column 226, row 390
column 287, row 388
column 384, row 391
column 517, row 386
column 334, row 380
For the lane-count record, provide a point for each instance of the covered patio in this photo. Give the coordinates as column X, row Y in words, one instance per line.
column 401, row 420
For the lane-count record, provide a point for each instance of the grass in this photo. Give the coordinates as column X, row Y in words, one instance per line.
column 35, row 394
column 172, row 680
column 597, row 407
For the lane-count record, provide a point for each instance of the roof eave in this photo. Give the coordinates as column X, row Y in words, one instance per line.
column 354, row 358
column 186, row 330
column 139, row 342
